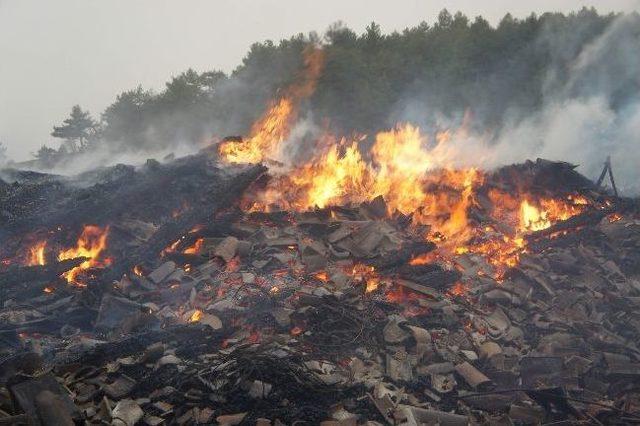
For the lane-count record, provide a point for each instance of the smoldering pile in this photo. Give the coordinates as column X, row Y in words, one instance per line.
column 196, row 311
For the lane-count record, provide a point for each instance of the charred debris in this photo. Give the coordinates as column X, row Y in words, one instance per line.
column 197, row 311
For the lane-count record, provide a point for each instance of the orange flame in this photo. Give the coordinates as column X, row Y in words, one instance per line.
column 36, row 254
column 91, row 244
column 196, row 248
column 273, row 128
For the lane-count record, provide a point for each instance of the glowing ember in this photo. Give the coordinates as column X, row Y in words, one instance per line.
column 91, row 244
column 36, row 254
column 366, row 274
column 137, row 270
column 322, row 276
column 423, row 259
column 254, row 337
column 459, row 289
column 614, row 218
column 233, row 265
column 196, row 248
column 409, row 300
column 196, row 316
column 295, row 331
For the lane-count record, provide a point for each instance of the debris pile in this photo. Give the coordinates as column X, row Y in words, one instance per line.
column 343, row 315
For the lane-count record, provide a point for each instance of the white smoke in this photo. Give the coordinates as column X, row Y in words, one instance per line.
column 594, row 115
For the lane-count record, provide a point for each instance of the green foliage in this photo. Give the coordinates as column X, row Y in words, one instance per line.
column 77, row 130
column 369, row 80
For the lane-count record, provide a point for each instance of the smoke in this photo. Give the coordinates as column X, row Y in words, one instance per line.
column 594, row 114
column 590, row 110
column 590, row 107
column 105, row 156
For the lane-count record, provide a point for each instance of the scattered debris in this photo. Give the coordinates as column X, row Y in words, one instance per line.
column 337, row 316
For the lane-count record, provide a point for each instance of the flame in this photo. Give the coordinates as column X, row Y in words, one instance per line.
column 402, row 166
column 273, row 128
column 196, row 316
column 416, row 175
column 615, row 217
column 424, row 259
column 91, row 244
column 196, row 248
column 549, row 211
column 36, row 254
column 137, row 270
column 532, row 218
column 322, row 276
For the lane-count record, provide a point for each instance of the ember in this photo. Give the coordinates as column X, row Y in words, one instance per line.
column 196, row 316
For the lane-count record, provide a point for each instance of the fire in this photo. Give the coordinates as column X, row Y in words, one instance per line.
column 332, row 178
column 266, row 135
column 532, row 218
column 273, row 128
column 36, row 254
column 91, row 243
column 614, row 218
column 196, row 248
column 367, row 274
column 322, row 276
column 549, row 211
column 137, row 270
column 402, row 166
column 459, row 289
column 416, row 174
column 196, row 316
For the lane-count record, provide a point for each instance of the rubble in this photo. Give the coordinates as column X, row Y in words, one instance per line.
column 326, row 317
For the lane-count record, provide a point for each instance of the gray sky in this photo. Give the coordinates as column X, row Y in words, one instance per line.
column 54, row 54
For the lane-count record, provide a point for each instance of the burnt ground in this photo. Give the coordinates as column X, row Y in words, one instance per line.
column 209, row 314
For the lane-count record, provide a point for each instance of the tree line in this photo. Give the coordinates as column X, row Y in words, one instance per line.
column 369, row 81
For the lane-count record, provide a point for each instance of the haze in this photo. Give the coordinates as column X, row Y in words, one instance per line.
column 57, row 54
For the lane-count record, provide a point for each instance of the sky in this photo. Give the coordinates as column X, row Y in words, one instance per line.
column 55, row 54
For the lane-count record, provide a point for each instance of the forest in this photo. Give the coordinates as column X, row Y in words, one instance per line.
column 370, row 81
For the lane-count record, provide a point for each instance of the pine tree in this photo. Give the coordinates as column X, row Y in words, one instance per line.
column 76, row 130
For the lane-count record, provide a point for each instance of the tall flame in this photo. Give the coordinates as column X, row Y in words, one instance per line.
column 402, row 166
column 91, row 244
column 273, row 128
column 416, row 176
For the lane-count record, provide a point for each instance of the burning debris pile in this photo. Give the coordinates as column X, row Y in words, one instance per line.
column 182, row 301
column 375, row 285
